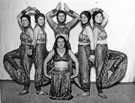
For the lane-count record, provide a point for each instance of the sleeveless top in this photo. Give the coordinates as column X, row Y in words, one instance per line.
column 102, row 35
column 61, row 29
column 83, row 38
column 58, row 58
column 41, row 37
column 25, row 38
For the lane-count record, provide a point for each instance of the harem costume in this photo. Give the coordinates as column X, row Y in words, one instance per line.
column 18, row 62
column 108, row 60
column 60, row 88
column 62, row 29
column 40, row 52
column 84, row 62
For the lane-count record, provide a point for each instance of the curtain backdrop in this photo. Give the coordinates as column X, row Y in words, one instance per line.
column 120, row 28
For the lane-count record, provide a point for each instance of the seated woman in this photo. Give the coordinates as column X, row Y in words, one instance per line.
column 60, row 75
column 111, row 65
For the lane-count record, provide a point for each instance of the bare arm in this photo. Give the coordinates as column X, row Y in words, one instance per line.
column 73, row 14
column 95, row 31
column 76, row 63
column 51, row 14
column 22, row 13
column 31, row 33
column 48, row 58
column 105, row 20
column 36, row 31
column 90, row 34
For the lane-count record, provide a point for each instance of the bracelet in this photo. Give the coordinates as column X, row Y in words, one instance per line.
column 37, row 11
column 71, row 11
column 54, row 11
column 92, row 52
column 23, row 12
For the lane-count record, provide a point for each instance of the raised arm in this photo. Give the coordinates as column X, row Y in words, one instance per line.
column 76, row 63
column 22, row 13
column 51, row 14
column 48, row 58
column 106, row 17
column 73, row 14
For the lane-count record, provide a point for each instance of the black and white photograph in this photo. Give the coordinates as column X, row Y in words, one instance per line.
column 68, row 51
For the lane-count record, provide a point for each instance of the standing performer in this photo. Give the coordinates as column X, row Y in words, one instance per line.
column 19, row 61
column 85, row 53
column 62, row 28
column 60, row 88
column 111, row 65
column 40, row 51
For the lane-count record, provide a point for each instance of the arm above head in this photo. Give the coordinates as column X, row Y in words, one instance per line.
column 106, row 17
column 48, row 58
column 73, row 57
column 51, row 14
column 73, row 14
column 23, row 12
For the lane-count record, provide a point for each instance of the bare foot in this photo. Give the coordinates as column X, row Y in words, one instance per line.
column 84, row 94
column 41, row 92
column 23, row 92
column 102, row 95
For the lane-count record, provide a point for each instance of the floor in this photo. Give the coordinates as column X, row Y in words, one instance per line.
column 120, row 93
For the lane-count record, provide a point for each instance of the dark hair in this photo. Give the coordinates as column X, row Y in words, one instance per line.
column 87, row 14
column 55, row 44
column 39, row 15
column 95, row 13
column 63, row 12
column 26, row 16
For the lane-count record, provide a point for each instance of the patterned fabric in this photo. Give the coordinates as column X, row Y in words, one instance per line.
column 60, row 88
column 19, row 59
column 84, row 67
column 39, row 55
column 24, row 37
column 57, row 57
column 109, row 60
column 61, row 29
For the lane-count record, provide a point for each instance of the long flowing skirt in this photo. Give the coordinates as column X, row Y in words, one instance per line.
column 60, row 88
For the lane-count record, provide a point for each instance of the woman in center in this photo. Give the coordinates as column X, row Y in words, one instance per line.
column 60, row 75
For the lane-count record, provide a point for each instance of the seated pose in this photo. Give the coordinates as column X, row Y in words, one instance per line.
column 111, row 65
column 19, row 61
column 60, row 88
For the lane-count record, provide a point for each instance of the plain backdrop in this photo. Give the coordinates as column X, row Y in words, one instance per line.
column 120, row 28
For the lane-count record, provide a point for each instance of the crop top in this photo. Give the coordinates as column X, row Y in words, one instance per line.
column 25, row 38
column 57, row 57
column 61, row 29
column 102, row 35
column 84, row 37
column 41, row 37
